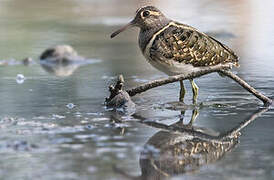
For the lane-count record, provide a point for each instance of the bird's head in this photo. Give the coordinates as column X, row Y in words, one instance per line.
column 146, row 18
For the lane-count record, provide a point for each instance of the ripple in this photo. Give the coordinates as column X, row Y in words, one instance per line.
column 18, row 145
column 56, row 116
column 85, row 136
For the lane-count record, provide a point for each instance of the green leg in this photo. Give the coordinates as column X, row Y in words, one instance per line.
column 181, row 121
column 195, row 90
column 195, row 114
column 182, row 91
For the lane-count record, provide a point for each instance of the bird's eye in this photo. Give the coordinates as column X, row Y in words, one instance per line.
column 146, row 13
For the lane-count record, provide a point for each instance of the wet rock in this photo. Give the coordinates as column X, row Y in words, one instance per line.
column 27, row 61
column 60, row 53
column 63, row 60
column 59, row 60
column 119, row 99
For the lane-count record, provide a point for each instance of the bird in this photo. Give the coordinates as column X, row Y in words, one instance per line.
column 176, row 48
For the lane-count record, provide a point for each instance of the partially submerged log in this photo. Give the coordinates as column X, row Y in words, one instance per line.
column 119, row 98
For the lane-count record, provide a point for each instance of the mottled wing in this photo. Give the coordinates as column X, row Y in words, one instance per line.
column 185, row 44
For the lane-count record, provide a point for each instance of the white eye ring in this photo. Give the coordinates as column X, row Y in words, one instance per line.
column 146, row 13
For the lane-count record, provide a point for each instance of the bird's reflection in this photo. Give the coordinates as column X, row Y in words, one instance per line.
column 180, row 148
column 171, row 153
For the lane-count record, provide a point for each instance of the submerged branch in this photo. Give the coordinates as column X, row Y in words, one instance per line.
column 267, row 101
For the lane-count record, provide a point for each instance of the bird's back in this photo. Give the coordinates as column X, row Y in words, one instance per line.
column 185, row 45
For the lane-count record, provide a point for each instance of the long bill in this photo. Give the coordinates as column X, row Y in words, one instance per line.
column 130, row 24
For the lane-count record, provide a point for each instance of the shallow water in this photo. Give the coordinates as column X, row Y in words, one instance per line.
column 55, row 126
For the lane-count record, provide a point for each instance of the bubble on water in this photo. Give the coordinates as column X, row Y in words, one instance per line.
column 70, row 105
column 20, row 78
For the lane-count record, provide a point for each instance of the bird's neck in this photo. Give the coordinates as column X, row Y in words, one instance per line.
column 146, row 33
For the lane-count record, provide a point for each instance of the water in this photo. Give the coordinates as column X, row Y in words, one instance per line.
column 42, row 137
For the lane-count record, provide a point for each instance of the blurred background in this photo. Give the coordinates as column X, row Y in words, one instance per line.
column 56, row 127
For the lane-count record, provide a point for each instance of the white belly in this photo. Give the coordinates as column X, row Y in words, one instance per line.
column 173, row 68
column 168, row 66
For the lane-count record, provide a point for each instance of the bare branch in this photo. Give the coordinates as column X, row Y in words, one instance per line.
column 221, row 69
column 171, row 79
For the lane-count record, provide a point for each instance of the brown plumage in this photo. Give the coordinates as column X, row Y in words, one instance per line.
column 185, row 44
column 175, row 48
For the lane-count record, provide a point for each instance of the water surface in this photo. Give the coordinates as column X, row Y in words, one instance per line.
column 56, row 127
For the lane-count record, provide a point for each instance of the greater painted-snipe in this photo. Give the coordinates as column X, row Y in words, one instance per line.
column 176, row 48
